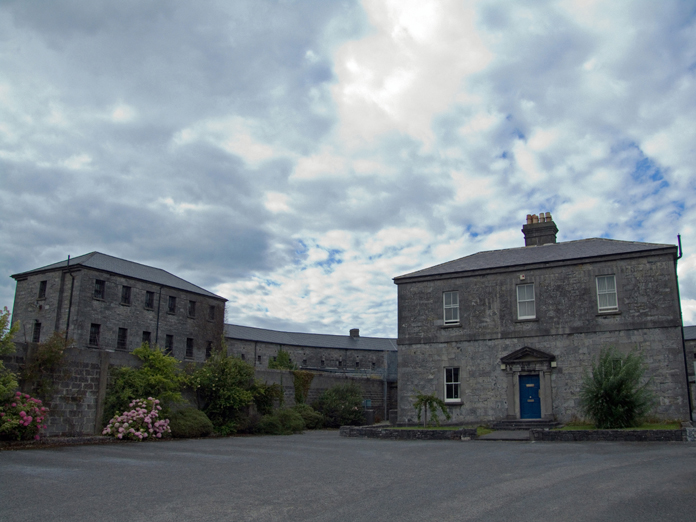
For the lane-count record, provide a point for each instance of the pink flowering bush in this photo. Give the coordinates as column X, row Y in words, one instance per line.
column 21, row 418
column 140, row 423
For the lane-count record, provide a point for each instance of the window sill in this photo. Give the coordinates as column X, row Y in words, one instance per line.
column 98, row 298
column 451, row 325
column 191, row 316
column 149, row 309
column 609, row 312
column 170, row 313
column 527, row 320
column 125, row 304
column 454, row 403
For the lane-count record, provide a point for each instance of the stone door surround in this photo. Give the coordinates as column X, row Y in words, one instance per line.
column 528, row 361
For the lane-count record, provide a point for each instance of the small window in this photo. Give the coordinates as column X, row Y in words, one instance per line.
column 36, row 334
column 304, row 362
column 146, row 337
column 259, row 358
column 94, row 330
column 208, row 349
column 42, row 289
column 373, row 365
column 189, row 348
column 99, row 287
column 451, row 307
column 525, row 302
column 122, row 340
column 243, row 357
column 192, row 309
column 149, row 300
column 452, row 385
column 606, row 294
column 323, row 362
column 357, row 362
column 211, row 313
column 340, row 363
column 169, row 344
column 171, row 308
column 126, row 295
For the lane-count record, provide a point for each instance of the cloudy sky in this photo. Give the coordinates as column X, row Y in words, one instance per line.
column 295, row 156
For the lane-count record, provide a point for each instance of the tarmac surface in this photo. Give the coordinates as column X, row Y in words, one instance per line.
column 321, row 476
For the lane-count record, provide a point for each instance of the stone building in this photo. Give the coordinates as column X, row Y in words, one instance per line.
column 690, row 348
column 349, row 354
column 107, row 303
column 508, row 334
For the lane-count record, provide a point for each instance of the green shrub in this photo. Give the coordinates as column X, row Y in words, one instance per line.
column 8, row 380
column 48, row 359
column 341, row 405
column 282, row 422
column 265, row 395
column 313, row 419
column 190, row 423
column 302, row 381
column 432, row 403
column 225, row 388
column 615, row 396
column 282, row 361
column 158, row 377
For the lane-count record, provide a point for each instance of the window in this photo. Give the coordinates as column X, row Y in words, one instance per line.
column 192, row 309
column 323, row 362
column 126, row 295
column 606, row 294
column 243, row 357
column 122, row 340
column 211, row 313
column 340, row 363
column 169, row 344
column 99, row 287
column 304, row 362
column 259, row 358
column 525, row 302
column 94, row 334
column 36, row 334
column 146, row 337
column 42, row 289
column 357, row 362
column 209, row 350
column 452, row 385
column 171, row 307
column 451, row 307
column 189, row 348
column 373, row 365
column 149, row 300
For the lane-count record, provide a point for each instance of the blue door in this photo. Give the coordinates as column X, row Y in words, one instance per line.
column 530, row 404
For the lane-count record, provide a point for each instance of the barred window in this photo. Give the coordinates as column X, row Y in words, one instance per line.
column 125, row 295
column 36, row 334
column 192, row 309
column 99, row 289
column 146, row 337
column 169, row 344
column 42, row 289
column 189, row 348
column 122, row 340
column 171, row 305
column 94, row 330
column 149, row 300
column 211, row 312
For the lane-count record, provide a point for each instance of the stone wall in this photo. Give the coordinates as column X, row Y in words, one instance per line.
column 80, row 387
column 484, row 385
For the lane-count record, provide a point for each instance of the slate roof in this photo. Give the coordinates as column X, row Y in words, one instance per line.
column 115, row 265
column 248, row 333
column 690, row 333
column 566, row 251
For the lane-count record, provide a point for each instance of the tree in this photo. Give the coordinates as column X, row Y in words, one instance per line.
column 341, row 405
column 432, row 403
column 8, row 380
column 615, row 395
column 282, row 361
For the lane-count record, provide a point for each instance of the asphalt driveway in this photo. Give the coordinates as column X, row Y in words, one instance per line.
column 321, row 476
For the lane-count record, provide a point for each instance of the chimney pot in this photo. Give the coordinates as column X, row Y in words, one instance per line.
column 355, row 332
column 535, row 218
column 539, row 230
column 529, row 219
column 548, row 216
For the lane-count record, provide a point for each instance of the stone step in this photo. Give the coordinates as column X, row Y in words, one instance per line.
column 523, row 424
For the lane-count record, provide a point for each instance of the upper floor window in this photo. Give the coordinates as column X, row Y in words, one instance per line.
column 189, row 348
column 146, row 337
column 149, row 300
column 192, row 309
column 525, row 302
column 211, row 313
column 125, row 295
column 606, row 294
column 36, row 334
column 42, row 289
column 99, row 288
column 171, row 307
column 122, row 340
column 169, row 344
column 452, row 385
column 451, row 307
column 94, row 334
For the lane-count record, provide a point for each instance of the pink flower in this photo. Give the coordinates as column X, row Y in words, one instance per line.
column 14, row 404
column 2, row 414
column 19, row 394
column 22, row 414
column 36, row 437
column 28, row 419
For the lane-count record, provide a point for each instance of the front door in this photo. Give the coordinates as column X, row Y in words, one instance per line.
column 530, row 404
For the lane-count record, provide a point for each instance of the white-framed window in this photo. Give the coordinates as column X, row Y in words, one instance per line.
column 450, row 306
column 452, row 385
column 606, row 294
column 525, row 302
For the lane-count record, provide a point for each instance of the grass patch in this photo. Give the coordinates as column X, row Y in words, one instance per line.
column 482, row 430
column 646, row 426
column 429, row 428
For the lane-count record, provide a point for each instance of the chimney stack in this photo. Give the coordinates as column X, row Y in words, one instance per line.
column 539, row 230
column 354, row 332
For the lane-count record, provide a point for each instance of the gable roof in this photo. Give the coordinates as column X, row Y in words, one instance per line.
column 116, row 265
column 690, row 333
column 552, row 252
column 248, row 333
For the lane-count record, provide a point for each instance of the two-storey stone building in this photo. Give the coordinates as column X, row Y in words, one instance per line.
column 509, row 334
column 104, row 302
